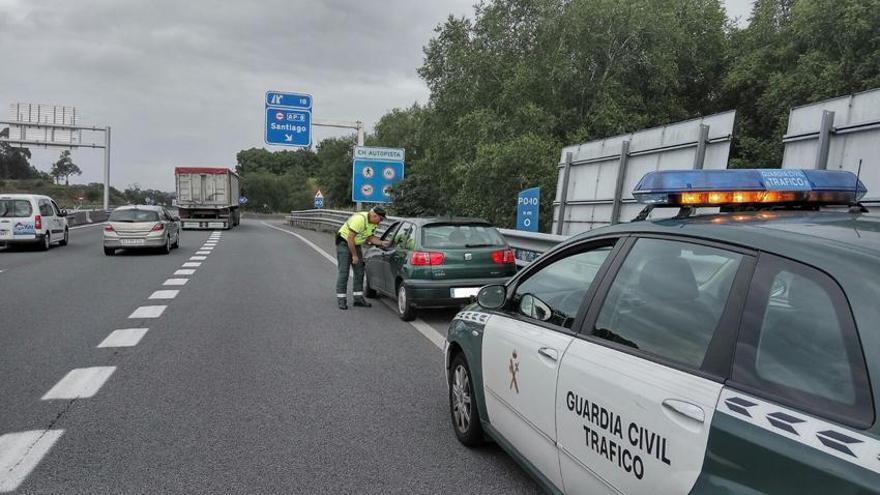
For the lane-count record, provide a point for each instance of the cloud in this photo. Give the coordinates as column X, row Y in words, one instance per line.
column 183, row 82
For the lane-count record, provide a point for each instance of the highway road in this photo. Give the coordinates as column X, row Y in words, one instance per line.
column 237, row 374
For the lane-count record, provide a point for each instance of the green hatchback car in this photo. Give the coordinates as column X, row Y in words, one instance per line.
column 437, row 263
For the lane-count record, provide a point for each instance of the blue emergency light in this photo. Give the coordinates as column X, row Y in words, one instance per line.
column 696, row 188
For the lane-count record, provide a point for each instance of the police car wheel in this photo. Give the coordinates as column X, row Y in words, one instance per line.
column 463, row 405
column 404, row 308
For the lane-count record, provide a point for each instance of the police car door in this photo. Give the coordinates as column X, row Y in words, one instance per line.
column 637, row 390
column 522, row 345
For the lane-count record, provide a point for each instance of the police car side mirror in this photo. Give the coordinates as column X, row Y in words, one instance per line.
column 492, row 296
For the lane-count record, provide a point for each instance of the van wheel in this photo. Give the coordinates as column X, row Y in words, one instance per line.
column 404, row 308
column 65, row 239
column 47, row 242
column 463, row 403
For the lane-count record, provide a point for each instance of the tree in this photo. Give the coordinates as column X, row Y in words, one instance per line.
column 795, row 52
column 64, row 168
column 334, row 175
column 14, row 161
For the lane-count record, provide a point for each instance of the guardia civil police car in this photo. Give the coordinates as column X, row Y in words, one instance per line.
column 714, row 354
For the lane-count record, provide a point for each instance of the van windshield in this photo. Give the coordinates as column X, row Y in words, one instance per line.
column 134, row 216
column 15, row 208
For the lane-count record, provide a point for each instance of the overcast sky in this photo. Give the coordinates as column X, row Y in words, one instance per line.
column 183, row 82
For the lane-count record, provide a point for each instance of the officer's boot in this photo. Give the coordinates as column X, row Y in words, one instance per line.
column 342, row 303
column 360, row 301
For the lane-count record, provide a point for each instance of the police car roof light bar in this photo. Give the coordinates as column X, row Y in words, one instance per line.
column 748, row 187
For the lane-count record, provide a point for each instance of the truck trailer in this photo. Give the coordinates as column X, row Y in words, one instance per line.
column 207, row 197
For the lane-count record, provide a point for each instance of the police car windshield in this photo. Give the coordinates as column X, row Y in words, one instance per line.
column 134, row 216
column 15, row 208
column 460, row 236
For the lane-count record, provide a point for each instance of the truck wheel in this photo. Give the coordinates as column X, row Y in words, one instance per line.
column 109, row 251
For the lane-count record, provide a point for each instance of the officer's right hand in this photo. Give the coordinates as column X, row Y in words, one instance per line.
column 355, row 260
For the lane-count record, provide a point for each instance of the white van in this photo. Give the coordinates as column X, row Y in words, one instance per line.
column 32, row 219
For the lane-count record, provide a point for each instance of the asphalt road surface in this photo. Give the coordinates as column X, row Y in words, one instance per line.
column 238, row 376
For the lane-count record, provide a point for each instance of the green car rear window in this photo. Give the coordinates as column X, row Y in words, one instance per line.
column 440, row 236
column 134, row 216
column 15, row 208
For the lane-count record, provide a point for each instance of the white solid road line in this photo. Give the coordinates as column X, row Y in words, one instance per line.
column 198, row 258
column 423, row 328
column 165, row 294
column 124, row 337
column 87, row 226
column 426, row 330
column 309, row 243
column 191, row 264
column 20, row 453
column 80, row 383
column 148, row 312
column 185, row 271
column 176, row 281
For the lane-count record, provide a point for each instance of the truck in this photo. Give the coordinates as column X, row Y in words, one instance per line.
column 208, row 197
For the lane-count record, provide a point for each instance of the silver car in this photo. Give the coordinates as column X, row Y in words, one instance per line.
column 140, row 227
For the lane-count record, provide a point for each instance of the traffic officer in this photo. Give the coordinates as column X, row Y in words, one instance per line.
column 356, row 231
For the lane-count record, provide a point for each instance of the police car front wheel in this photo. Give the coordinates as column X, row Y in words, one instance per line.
column 463, row 405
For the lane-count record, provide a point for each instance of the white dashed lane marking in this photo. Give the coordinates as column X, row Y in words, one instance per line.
column 198, row 258
column 164, row 294
column 125, row 337
column 80, row 383
column 21, row 452
column 191, row 264
column 176, row 281
column 148, row 312
column 203, row 253
column 184, row 271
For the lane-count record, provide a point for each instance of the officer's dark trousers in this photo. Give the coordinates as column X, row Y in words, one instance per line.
column 343, row 259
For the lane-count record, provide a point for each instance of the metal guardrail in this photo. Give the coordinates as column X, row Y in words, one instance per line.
column 85, row 217
column 528, row 245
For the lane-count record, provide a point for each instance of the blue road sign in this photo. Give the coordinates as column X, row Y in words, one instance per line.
column 296, row 101
column 374, row 172
column 319, row 200
column 242, row 200
column 528, row 208
column 287, row 127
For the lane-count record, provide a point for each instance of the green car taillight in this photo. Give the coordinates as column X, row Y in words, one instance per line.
column 429, row 258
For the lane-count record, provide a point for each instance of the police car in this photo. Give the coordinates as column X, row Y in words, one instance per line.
column 717, row 353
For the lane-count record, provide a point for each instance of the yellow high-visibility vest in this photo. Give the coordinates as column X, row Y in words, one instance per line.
column 360, row 224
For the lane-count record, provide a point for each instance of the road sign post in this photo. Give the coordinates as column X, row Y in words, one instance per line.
column 319, row 200
column 374, row 172
column 528, row 208
column 288, row 119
